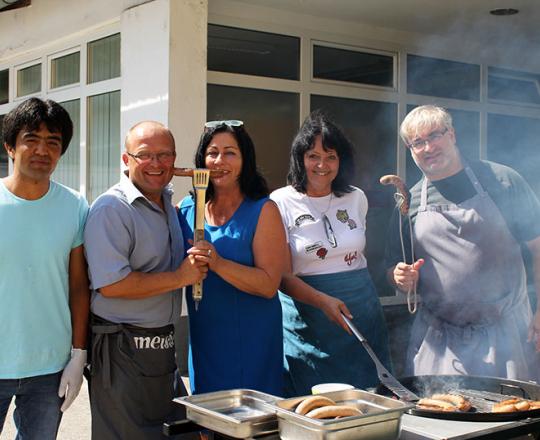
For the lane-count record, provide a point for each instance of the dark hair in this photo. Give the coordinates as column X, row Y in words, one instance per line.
column 318, row 124
column 252, row 183
column 31, row 113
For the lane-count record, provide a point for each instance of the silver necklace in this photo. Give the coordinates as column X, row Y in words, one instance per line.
column 330, row 236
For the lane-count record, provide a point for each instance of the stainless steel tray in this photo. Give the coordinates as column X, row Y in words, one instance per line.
column 237, row 413
column 381, row 418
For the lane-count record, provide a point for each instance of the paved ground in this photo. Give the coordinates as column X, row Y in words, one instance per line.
column 75, row 422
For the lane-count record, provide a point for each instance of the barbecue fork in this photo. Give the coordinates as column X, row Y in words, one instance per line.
column 201, row 178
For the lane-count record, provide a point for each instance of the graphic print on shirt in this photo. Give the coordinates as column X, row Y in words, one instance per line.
column 350, row 257
column 303, row 218
column 343, row 216
column 318, row 248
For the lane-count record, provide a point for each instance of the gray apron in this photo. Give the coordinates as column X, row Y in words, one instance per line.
column 475, row 310
column 132, row 381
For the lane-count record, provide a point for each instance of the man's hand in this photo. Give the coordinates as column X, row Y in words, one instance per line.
column 333, row 308
column 406, row 275
column 191, row 271
column 72, row 377
column 534, row 329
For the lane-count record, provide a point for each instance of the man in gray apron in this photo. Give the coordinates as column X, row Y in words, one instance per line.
column 134, row 248
column 469, row 221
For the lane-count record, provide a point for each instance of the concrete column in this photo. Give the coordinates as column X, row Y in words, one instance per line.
column 164, row 72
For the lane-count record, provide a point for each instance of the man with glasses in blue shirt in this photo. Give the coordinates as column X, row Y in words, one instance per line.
column 134, row 247
column 469, row 222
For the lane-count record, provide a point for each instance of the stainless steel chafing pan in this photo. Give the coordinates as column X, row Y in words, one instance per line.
column 380, row 420
column 237, row 413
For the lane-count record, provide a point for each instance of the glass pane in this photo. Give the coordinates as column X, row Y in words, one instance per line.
column 65, row 70
column 371, row 126
column 353, row 66
column 513, row 141
column 447, row 79
column 104, row 59
column 467, row 128
column 3, row 153
column 253, row 53
column 103, row 143
column 29, row 80
column 509, row 85
column 68, row 169
column 4, row 86
column 270, row 118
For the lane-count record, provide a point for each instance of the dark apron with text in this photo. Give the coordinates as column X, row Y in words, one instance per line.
column 132, row 381
column 318, row 351
column 475, row 310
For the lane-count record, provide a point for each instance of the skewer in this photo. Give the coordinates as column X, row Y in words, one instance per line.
column 188, row 172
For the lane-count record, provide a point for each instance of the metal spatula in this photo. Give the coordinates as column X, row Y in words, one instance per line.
column 201, row 177
column 384, row 375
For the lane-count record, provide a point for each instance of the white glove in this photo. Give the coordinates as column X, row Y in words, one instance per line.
column 72, row 377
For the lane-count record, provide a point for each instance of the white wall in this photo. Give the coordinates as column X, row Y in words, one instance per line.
column 46, row 21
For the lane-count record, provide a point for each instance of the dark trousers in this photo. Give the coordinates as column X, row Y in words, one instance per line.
column 37, row 412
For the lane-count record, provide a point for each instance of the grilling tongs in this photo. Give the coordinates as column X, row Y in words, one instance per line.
column 384, row 375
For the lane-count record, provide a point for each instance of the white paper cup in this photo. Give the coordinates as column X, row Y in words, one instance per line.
column 328, row 387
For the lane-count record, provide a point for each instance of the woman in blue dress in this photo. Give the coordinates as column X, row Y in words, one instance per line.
column 236, row 338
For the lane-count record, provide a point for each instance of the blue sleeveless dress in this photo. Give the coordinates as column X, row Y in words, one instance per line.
column 236, row 339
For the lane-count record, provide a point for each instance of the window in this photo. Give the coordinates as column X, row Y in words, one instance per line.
column 510, row 85
column 467, row 128
column 29, row 80
column 103, row 142
column 353, row 66
column 513, row 141
column 443, row 78
column 104, row 59
column 65, row 70
column 68, row 169
column 253, row 53
column 3, row 153
column 371, row 127
column 270, row 118
column 4, row 86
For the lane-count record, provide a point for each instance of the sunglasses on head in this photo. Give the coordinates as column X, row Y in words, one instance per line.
column 229, row 123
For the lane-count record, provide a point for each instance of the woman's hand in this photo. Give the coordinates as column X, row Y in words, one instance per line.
column 333, row 308
column 204, row 251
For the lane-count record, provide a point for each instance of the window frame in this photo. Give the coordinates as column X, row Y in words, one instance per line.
column 26, row 65
column 63, row 53
column 360, row 49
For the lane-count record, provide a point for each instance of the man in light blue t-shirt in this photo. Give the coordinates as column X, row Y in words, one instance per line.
column 44, row 296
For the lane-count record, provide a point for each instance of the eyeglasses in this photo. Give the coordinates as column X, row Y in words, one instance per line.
column 163, row 157
column 229, row 123
column 329, row 231
column 419, row 144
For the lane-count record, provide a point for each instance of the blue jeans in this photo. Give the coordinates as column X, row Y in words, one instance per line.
column 37, row 412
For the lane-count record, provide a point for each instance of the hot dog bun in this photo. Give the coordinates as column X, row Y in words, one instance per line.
column 311, row 403
column 333, row 411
